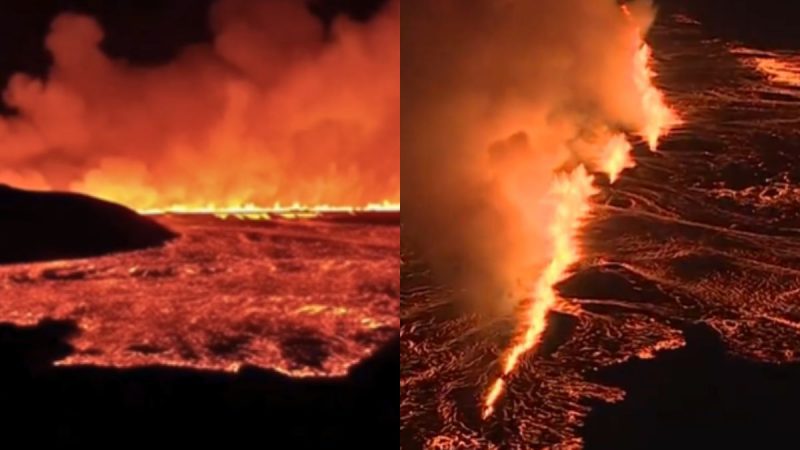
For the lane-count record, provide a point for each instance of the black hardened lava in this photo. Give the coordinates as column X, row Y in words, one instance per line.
column 36, row 226
column 697, row 397
column 770, row 24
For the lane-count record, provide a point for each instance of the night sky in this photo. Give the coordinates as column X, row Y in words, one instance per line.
column 140, row 31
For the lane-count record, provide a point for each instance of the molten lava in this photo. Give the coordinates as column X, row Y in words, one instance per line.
column 254, row 212
column 572, row 193
column 304, row 298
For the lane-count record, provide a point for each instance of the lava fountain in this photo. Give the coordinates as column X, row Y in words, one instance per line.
column 572, row 192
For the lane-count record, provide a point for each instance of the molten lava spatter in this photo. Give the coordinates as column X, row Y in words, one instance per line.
column 572, row 194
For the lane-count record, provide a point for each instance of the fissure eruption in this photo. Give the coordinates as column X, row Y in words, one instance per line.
column 571, row 192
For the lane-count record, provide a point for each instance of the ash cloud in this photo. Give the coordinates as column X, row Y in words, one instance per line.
column 274, row 109
column 498, row 97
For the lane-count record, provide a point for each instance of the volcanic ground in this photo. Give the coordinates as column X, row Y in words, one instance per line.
column 302, row 297
column 680, row 326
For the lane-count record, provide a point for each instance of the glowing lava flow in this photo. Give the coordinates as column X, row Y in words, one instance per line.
column 255, row 212
column 572, row 192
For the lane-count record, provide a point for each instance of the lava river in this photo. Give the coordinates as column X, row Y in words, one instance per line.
column 302, row 297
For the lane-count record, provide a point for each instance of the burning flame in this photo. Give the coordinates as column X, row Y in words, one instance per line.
column 659, row 117
column 255, row 212
column 616, row 156
column 572, row 193
column 278, row 105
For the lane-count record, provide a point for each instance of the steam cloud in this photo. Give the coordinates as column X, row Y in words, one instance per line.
column 498, row 96
column 272, row 110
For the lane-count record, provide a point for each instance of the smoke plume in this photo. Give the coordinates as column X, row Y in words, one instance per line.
column 498, row 97
column 275, row 109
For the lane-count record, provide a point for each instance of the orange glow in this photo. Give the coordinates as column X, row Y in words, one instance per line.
column 659, row 118
column 494, row 394
column 572, row 193
column 616, row 157
column 779, row 68
column 779, row 71
column 222, row 297
column 277, row 106
column 251, row 211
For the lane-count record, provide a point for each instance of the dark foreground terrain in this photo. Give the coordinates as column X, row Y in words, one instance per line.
column 40, row 226
column 697, row 397
column 736, row 381
column 80, row 407
column 117, row 331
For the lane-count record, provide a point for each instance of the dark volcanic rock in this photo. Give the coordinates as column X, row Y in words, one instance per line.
column 768, row 24
column 697, row 397
column 87, row 407
column 36, row 226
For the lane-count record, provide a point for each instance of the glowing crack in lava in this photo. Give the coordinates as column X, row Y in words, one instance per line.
column 572, row 193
